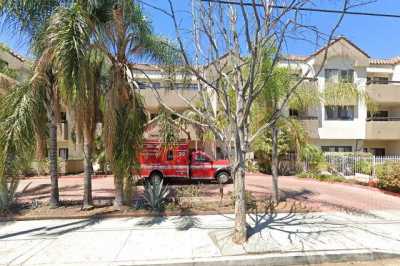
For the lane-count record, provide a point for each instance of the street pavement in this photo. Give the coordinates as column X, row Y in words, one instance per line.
column 284, row 238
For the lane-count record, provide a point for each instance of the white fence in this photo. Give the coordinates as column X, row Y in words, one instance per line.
column 352, row 164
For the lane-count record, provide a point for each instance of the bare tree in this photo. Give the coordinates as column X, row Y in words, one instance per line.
column 224, row 50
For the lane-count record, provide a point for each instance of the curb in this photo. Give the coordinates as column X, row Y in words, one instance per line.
column 281, row 259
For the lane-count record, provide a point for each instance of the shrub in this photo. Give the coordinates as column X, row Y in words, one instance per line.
column 251, row 166
column 156, row 195
column 314, row 157
column 322, row 177
column 250, row 201
column 188, row 191
column 388, row 175
column 364, row 167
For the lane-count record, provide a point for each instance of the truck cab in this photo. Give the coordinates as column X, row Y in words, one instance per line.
column 158, row 160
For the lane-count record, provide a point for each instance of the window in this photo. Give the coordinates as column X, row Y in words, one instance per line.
column 378, row 116
column 201, row 157
column 170, row 155
column 347, row 76
column 332, row 75
column 182, row 86
column 293, row 113
column 336, row 112
column 193, row 87
column 156, row 85
column 178, row 86
column 377, row 80
column 337, row 148
column 378, row 151
column 63, row 153
column 142, row 85
column 336, row 75
column 63, row 117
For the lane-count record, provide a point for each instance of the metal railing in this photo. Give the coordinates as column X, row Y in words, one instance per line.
column 383, row 118
column 383, row 82
column 305, row 117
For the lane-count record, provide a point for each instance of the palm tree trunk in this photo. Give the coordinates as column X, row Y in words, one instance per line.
column 128, row 190
column 40, row 152
column 87, row 183
column 54, row 195
column 3, row 193
column 274, row 165
column 119, row 187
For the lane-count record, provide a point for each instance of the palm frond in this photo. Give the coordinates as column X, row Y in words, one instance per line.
column 20, row 112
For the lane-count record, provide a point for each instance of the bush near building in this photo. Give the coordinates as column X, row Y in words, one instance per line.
column 388, row 175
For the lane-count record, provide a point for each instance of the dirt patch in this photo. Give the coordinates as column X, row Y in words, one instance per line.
column 184, row 206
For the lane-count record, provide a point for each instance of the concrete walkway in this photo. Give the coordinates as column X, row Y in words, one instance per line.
column 199, row 240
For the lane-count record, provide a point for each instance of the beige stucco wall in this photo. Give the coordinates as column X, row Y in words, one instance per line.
column 391, row 147
column 382, row 130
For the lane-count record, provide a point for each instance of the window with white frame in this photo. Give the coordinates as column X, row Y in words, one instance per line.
column 337, row 112
column 336, row 148
column 336, row 75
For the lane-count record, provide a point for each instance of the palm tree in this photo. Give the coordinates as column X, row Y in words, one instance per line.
column 118, row 33
column 126, row 37
column 31, row 18
column 21, row 111
column 79, row 76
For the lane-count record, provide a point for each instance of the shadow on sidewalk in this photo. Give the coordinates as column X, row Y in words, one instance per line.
column 185, row 221
column 58, row 229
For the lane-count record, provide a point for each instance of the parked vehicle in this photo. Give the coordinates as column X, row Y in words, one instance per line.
column 159, row 160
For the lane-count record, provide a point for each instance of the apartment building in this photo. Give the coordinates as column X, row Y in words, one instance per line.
column 154, row 83
column 352, row 126
column 13, row 68
column 177, row 92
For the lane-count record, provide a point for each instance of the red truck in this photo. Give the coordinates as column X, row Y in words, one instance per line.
column 158, row 161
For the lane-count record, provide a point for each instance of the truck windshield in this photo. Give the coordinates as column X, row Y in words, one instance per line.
column 202, row 157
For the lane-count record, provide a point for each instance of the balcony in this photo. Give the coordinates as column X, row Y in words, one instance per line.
column 171, row 98
column 311, row 125
column 383, row 128
column 384, row 91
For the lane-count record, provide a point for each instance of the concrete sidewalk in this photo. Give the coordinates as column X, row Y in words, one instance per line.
column 278, row 239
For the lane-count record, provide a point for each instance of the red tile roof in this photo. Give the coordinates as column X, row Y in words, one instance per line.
column 389, row 61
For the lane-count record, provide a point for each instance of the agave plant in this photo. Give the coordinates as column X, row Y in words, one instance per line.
column 155, row 195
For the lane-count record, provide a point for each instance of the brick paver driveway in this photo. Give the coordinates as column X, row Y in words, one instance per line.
column 321, row 195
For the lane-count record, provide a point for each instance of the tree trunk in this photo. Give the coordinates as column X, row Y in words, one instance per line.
column 128, row 191
column 240, row 230
column 41, row 146
column 3, row 193
column 87, row 182
column 54, row 195
column 79, row 145
column 274, row 165
column 119, row 187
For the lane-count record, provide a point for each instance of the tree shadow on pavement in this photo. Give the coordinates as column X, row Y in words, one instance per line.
column 58, row 229
column 152, row 220
column 186, row 220
column 313, row 229
column 302, row 226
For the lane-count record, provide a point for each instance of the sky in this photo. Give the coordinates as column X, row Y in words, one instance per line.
column 377, row 36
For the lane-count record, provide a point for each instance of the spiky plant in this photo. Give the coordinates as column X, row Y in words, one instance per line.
column 156, row 195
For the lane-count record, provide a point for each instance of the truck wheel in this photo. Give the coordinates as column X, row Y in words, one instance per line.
column 155, row 178
column 223, row 177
